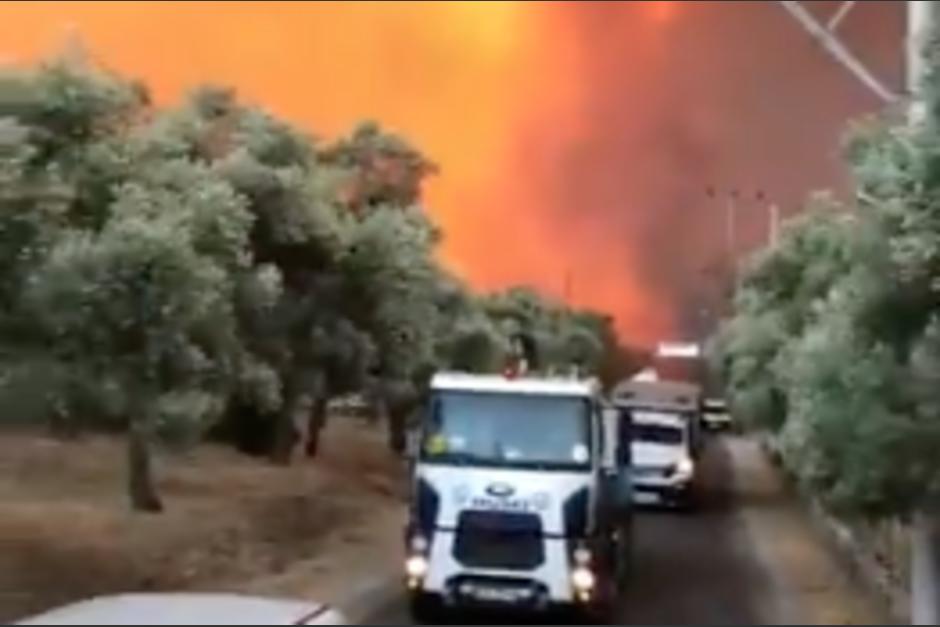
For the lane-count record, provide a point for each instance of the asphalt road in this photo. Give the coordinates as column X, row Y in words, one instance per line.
column 695, row 568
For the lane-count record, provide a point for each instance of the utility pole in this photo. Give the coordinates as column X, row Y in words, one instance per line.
column 774, row 226
column 773, row 210
column 925, row 530
column 920, row 19
column 731, row 225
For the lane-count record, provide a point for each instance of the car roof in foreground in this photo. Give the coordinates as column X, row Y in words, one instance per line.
column 186, row 609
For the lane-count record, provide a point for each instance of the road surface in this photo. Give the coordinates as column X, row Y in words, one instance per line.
column 748, row 556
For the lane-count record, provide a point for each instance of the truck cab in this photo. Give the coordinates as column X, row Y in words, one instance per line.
column 517, row 502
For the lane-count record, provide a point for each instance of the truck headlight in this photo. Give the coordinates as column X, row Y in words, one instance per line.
column 583, row 580
column 685, row 469
column 416, row 567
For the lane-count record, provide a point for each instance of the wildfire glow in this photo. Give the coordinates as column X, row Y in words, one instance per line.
column 662, row 10
column 564, row 131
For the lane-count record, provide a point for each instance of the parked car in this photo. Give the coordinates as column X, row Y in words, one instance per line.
column 188, row 609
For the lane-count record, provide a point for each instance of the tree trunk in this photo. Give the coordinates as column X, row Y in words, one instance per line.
column 374, row 398
column 379, row 413
column 398, row 428
column 925, row 568
column 315, row 426
column 63, row 427
column 285, row 432
column 143, row 494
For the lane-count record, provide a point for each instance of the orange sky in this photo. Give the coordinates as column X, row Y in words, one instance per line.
column 504, row 96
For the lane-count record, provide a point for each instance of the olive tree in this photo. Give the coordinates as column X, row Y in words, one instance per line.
column 846, row 334
column 145, row 304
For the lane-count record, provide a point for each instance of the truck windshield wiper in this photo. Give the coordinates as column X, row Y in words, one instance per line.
column 471, row 459
column 460, row 459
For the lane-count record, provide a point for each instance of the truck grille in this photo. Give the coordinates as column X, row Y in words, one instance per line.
column 651, row 472
column 508, row 541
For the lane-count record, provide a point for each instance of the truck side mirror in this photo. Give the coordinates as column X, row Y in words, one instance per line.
column 623, row 490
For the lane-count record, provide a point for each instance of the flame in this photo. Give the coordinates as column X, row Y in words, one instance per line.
column 461, row 79
column 574, row 139
column 662, row 11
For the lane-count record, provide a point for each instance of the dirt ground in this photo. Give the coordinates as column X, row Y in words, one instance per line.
column 810, row 585
column 232, row 522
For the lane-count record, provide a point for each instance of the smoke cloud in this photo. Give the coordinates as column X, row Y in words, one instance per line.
column 576, row 140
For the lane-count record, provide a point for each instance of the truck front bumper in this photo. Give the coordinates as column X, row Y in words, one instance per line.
column 456, row 584
column 663, row 493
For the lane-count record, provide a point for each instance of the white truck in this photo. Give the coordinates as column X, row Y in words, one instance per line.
column 665, row 436
column 520, row 498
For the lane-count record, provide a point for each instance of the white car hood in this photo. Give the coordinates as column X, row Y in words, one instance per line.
column 188, row 609
column 653, row 455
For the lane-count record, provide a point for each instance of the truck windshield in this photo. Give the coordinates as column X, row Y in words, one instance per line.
column 509, row 430
column 657, row 434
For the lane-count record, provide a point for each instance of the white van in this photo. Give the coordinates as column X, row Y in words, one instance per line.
column 664, row 467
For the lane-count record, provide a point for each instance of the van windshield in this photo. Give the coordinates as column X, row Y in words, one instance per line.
column 657, row 434
column 657, row 427
column 509, row 430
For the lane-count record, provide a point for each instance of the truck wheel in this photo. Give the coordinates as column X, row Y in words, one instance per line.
column 598, row 613
column 624, row 567
column 602, row 611
column 424, row 608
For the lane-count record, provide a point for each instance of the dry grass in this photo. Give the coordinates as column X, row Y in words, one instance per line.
column 66, row 532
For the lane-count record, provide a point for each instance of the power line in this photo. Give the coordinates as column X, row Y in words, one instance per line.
column 840, row 15
column 839, row 51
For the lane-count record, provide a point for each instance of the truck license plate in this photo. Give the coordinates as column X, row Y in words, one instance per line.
column 496, row 595
column 646, row 498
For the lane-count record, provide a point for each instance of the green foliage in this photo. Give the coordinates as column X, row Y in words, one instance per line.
column 209, row 266
column 377, row 169
column 559, row 338
column 859, row 448
column 146, row 301
column 834, row 343
column 776, row 300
